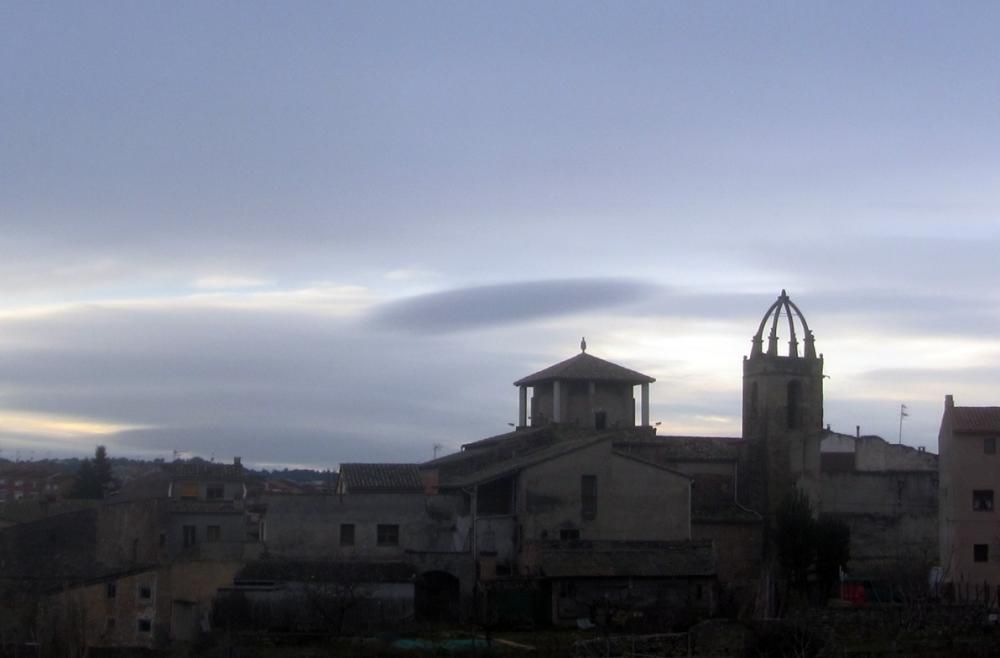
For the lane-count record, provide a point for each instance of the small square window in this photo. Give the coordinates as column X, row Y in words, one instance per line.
column 145, row 626
column 215, row 492
column 347, row 534
column 990, row 445
column 145, row 591
column 980, row 552
column 213, row 533
column 388, row 535
column 982, row 500
column 569, row 534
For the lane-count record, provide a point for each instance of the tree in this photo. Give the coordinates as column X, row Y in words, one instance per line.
column 94, row 476
column 796, row 537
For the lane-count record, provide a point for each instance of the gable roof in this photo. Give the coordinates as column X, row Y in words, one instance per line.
column 380, row 478
column 492, row 471
column 586, row 367
column 973, row 420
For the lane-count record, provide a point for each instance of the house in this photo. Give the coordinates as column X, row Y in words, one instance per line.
column 970, row 478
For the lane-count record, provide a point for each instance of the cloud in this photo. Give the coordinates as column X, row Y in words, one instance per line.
column 504, row 304
column 272, row 385
column 229, row 282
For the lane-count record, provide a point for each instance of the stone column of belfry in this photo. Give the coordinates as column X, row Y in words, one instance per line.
column 522, row 406
column 645, row 405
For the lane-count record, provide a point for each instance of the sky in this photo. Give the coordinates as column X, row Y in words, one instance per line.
column 314, row 233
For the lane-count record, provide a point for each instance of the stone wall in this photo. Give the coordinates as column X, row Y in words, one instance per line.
column 892, row 515
column 309, row 527
column 635, row 500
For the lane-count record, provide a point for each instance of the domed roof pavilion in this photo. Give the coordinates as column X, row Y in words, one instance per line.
column 584, row 390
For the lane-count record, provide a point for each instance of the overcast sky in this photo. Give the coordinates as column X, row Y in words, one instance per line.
column 312, row 233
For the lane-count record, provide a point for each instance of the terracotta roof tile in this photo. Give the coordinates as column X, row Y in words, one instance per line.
column 686, row 448
column 397, row 478
column 586, row 367
column 975, row 419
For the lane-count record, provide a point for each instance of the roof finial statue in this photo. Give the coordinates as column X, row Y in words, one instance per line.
column 583, row 344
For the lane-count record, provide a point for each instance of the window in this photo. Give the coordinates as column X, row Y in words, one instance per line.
column 600, row 420
column 982, row 500
column 588, row 497
column 980, row 552
column 569, row 534
column 145, row 591
column 111, row 590
column 347, row 534
column 213, row 533
column 388, row 535
column 990, row 445
column 794, row 401
column 188, row 490
column 215, row 492
column 145, row 626
column 190, row 536
column 495, row 497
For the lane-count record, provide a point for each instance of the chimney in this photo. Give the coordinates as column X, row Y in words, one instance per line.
column 949, row 402
column 857, row 431
column 238, row 462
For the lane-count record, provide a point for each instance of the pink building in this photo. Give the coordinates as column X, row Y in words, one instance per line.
column 969, row 482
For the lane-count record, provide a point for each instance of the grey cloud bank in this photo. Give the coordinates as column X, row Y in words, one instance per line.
column 496, row 305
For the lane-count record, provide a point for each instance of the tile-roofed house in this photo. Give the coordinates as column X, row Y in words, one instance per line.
column 585, row 367
column 379, row 478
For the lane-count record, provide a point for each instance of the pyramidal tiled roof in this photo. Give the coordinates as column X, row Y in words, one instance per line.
column 586, row 367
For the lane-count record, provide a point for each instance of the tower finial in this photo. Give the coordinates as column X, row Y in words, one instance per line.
column 583, row 344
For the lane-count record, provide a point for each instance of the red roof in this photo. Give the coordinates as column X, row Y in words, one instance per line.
column 975, row 420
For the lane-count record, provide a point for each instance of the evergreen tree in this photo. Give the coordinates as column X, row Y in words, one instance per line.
column 796, row 537
column 94, row 476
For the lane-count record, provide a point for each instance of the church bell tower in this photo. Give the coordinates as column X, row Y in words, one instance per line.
column 783, row 399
